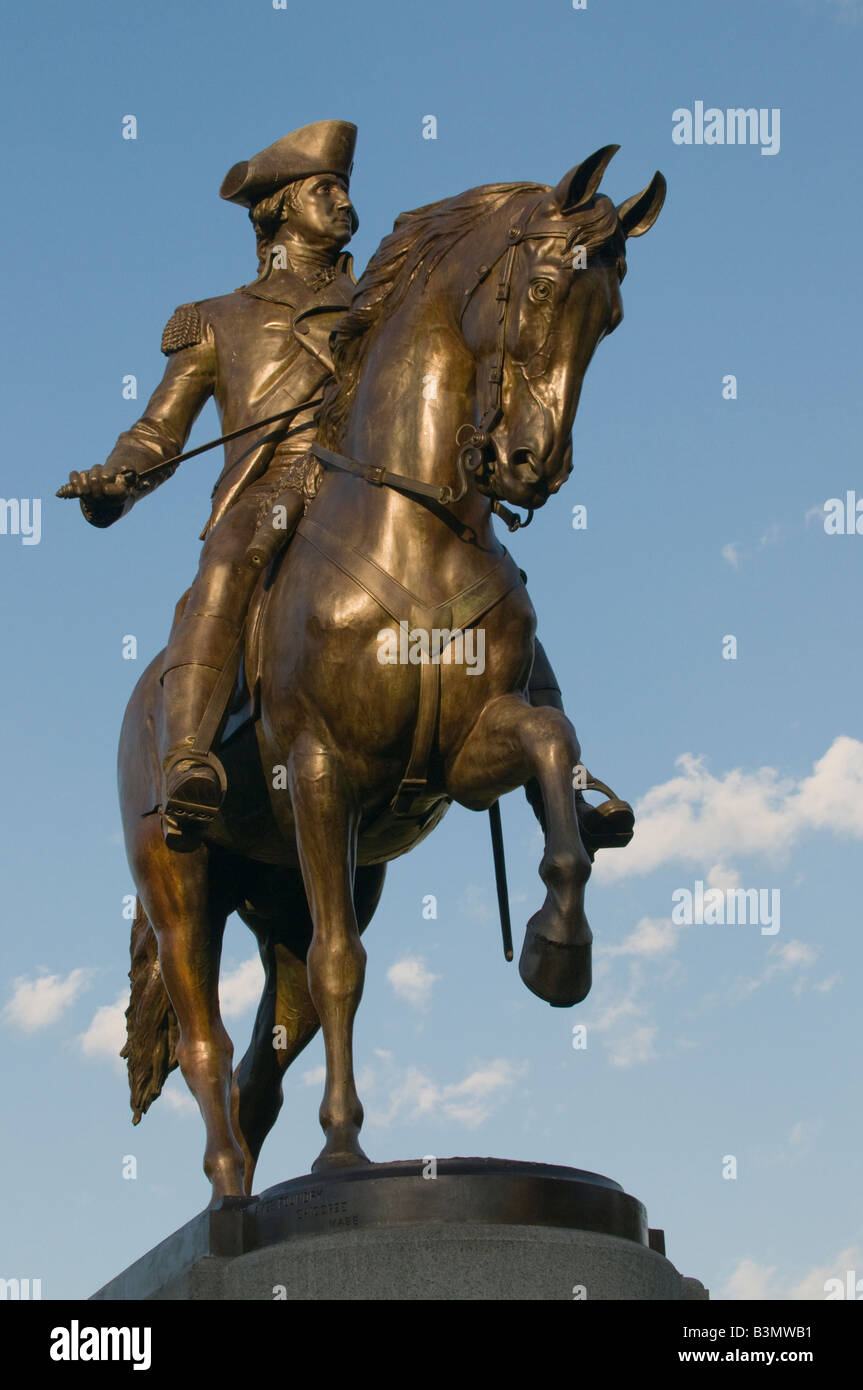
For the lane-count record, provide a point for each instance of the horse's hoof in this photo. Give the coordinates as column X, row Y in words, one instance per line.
column 556, row 972
column 332, row 1160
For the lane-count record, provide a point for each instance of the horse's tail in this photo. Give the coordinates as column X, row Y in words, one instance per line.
column 151, row 1023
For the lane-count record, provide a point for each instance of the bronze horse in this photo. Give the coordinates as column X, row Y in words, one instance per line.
column 459, row 370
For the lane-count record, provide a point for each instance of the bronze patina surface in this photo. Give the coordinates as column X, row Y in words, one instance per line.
column 490, row 1190
column 450, row 378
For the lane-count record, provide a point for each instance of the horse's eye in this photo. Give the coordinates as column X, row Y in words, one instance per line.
column 540, row 290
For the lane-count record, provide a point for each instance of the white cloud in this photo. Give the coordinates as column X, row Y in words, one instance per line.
column 315, row 1076
column 633, row 1048
column 752, row 1281
column 623, row 1012
column 748, row 1281
column 811, row 1286
column 721, row 877
column 180, row 1100
column 631, row 1034
column 40, row 1002
column 706, row 820
column 698, row 819
column 797, row 1146
column 824, row 986
column 106, row 1033
column 775, row 533
column 651, row 936
column 412, row 1094
column 471, row 1101
column 412, row 980
column 789, row 955
column 241, row 988
column 783, row 957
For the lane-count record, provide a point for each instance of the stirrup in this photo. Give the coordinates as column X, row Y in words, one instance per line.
column 609, row 825
column 194, row 801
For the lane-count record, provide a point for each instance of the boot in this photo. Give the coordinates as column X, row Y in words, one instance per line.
column 193, row 779
column 610, row 825
column 606, row 826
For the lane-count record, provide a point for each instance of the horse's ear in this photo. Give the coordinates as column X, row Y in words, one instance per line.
column 579, row 184
column 638, row 214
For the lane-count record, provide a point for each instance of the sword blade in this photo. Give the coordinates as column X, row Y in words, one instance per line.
column 67, row 490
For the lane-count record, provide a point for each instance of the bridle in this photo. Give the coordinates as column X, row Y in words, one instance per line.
column 474, row 440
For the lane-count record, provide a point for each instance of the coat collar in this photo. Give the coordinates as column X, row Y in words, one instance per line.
column 286, row 287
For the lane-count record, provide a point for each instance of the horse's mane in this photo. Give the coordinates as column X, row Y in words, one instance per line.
column 421, row 237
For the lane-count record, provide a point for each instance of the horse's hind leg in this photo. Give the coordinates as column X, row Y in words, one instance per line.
column 188, row 912
column 511, row 743
column 287, row 1020
column 285, row 1023
column 326, row 823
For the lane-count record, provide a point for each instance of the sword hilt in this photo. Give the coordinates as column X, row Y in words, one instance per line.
column 129, row 476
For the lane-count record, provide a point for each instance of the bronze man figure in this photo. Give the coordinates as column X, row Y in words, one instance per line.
column 258, row 351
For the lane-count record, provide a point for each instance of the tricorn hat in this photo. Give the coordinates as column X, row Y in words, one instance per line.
column 325, row 147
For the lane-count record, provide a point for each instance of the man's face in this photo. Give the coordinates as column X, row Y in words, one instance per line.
column 323, row 213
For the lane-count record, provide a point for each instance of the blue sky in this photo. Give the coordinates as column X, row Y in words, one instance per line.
column 705, row 519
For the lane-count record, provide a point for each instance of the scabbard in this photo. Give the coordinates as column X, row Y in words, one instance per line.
column 500, row 877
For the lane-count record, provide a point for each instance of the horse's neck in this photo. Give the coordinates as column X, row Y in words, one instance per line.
column 416, row 390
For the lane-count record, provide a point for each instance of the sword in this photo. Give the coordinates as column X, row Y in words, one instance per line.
column 500, row 877
column 132, row 476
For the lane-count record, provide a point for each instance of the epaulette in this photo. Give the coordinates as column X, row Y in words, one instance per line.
column 182, row 330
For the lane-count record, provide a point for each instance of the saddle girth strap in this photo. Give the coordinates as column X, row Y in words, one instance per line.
column 461, row 611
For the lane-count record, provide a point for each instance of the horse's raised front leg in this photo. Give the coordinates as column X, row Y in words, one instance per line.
column 326, row 830
column 189, row 920
column 511, row 743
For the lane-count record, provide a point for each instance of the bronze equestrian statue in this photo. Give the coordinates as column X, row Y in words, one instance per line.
column 487, row 298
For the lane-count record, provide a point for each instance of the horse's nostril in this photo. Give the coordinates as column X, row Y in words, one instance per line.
column 523, row 458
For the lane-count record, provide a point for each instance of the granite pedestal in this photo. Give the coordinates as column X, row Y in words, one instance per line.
column 458, row 1228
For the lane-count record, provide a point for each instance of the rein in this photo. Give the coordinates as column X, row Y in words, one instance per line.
column 412, row 487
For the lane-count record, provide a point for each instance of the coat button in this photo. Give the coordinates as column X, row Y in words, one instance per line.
column 302, row 328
